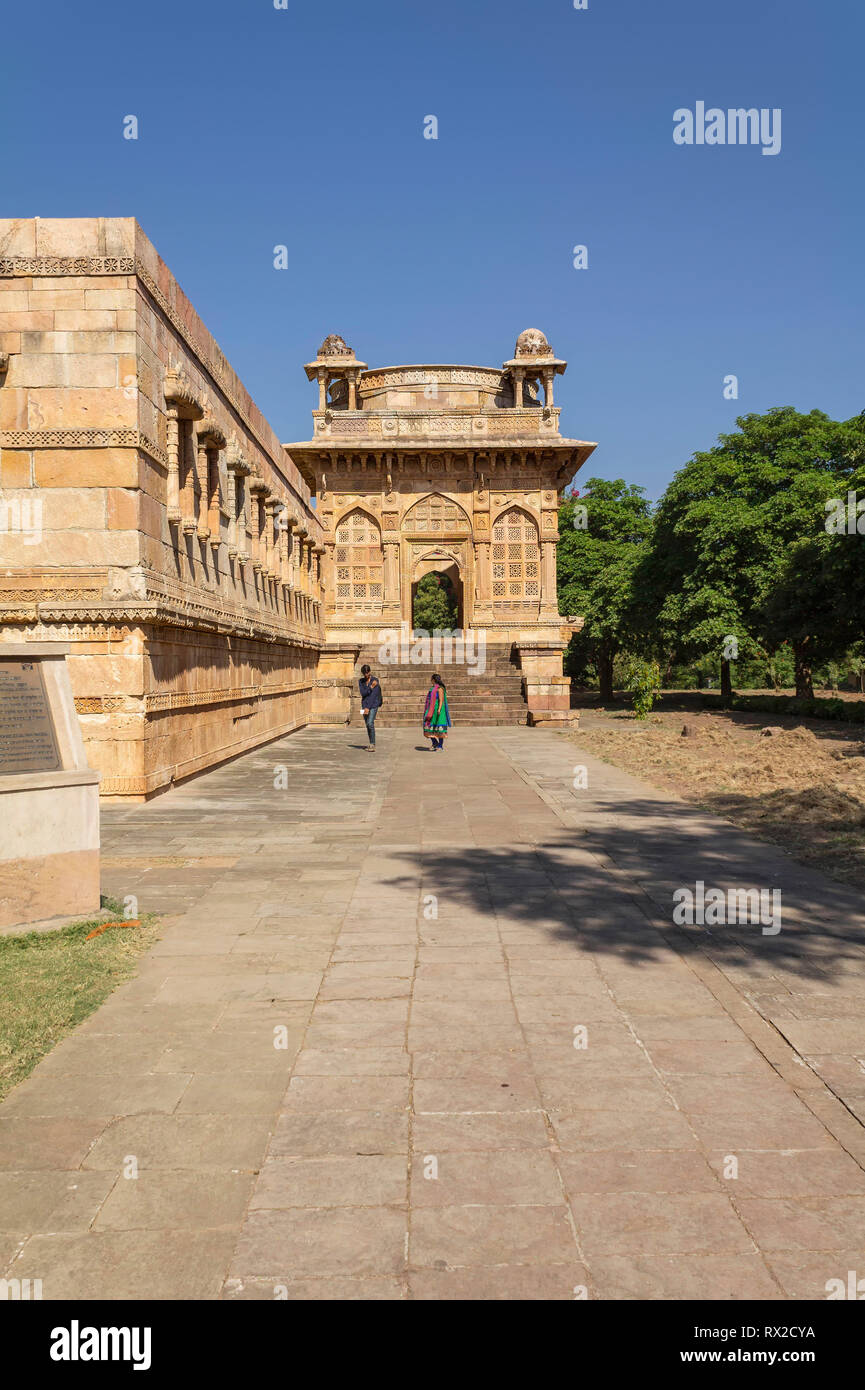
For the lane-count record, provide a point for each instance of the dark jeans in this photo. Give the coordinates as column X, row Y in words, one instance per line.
column 369, row 720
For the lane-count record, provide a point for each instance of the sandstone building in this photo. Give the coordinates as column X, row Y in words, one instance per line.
column 218, row 588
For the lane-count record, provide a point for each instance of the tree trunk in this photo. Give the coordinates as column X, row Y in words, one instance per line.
column 802, row 664
column 605, row 675
column 726, row 680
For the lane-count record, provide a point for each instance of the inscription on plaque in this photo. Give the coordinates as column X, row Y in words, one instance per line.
column 27, row 740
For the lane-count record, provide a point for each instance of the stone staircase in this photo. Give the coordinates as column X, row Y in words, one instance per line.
column 494, row 697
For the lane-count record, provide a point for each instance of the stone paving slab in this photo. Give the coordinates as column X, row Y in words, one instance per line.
column 428, row 1030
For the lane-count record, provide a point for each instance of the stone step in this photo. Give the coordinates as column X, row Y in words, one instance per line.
column 484, row 722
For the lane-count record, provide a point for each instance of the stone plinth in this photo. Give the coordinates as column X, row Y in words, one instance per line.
column 547, row 691
column 334, row 685
column 49, row 807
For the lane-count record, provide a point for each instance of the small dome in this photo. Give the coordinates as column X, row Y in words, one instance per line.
column 532, row 343
column 334, row 346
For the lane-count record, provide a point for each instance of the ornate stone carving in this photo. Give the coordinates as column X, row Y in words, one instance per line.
column 210, row 434
column 82, row 439
column 179, row 394
column 67, row 265
column 334, row 346
column 436, row 513
column 488, row 377
column 532, row 343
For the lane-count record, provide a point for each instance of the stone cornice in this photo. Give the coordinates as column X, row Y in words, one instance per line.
column 85, row 598
column 155, row 614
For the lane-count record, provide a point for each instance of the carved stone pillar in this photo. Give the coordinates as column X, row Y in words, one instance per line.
column 482, row 608
column 238, row 469
column 210, row 441
column 290, row 523
column 181, row 406
column 258, row 492
column 301, row 579
column 549, row 596
column 548, row 376
column 189, row 490
column 173, row 500
column 483, row 582
column 391, row 572
column 272, row 507
column 328, row 576
column 283, row 533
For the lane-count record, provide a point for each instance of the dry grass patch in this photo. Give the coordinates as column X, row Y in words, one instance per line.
column 50, row 981
column 802, row 787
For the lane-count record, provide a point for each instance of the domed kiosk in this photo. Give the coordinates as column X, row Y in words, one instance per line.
column 446, row 469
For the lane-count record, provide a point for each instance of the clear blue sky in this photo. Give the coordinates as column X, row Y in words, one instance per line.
column 304, row 127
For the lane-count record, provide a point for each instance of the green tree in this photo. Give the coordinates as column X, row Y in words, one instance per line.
column 435, row 606
column 602, row 535
column 730, row 530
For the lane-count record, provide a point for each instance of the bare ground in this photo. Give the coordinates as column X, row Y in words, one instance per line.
column 801, row 787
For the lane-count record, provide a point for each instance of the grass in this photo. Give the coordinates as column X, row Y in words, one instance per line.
column 50, row 982
column 802, row 788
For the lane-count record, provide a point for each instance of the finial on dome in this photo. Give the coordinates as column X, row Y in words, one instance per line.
column 532, row 343
column 334, row 346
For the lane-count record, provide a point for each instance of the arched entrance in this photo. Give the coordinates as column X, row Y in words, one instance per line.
column 443, row 599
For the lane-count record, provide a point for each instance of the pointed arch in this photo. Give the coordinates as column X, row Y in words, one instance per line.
column 358, row 561
column 436, row 513
column 516, row 558
column 350, row 512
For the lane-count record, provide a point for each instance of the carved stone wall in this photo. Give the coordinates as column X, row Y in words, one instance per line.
column 148, row 511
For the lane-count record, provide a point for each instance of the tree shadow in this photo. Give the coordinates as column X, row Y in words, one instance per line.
column 608, row 887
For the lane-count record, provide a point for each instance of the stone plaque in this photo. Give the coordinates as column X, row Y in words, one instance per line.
column 27, row 740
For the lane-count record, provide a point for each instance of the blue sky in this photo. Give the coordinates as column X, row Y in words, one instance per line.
column 303, row 127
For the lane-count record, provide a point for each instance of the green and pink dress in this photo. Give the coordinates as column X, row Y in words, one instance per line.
column 436, row 716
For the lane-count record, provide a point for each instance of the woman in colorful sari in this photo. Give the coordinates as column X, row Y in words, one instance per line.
column 436, row 716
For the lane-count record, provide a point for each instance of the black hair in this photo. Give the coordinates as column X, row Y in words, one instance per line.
column 364, row 670
column 437, row 680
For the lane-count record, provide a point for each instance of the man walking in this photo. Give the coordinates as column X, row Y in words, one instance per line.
column 370, row 703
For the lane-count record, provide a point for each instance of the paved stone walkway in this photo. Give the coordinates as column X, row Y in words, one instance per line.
column 348, row 1069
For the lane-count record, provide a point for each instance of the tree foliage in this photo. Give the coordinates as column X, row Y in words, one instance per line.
column 596, row 565
column 736, row 563
column 435, row 604
column 740, row 549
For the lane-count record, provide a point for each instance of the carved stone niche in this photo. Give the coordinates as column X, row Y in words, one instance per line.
column 211, row 441
column 259, row 492
column 181, row 405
